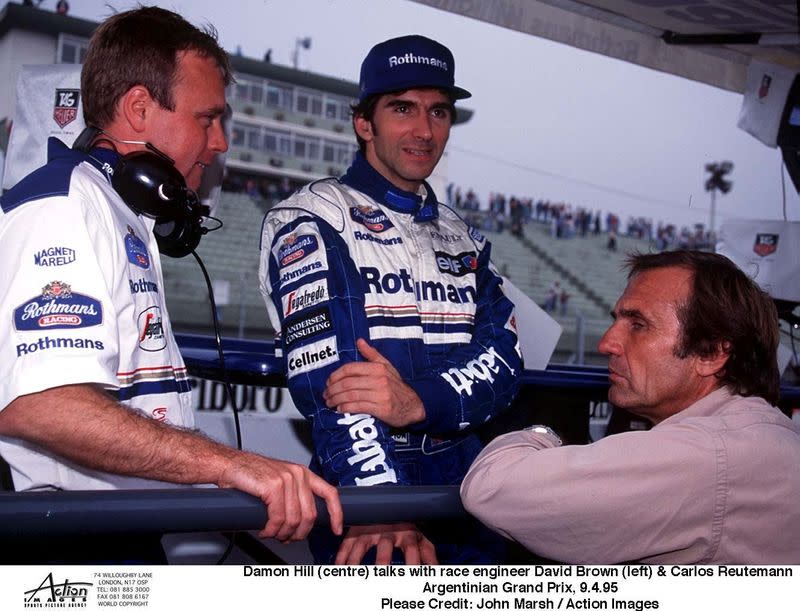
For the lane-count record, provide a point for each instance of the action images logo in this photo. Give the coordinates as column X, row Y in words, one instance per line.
column 51, row 595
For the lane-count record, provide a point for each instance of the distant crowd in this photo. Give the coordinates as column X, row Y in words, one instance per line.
column 511, row 213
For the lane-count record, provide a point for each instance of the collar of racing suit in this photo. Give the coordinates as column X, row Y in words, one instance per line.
column 363, row 177
column 98, row 156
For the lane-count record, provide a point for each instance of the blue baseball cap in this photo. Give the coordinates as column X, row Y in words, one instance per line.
column 408, row 62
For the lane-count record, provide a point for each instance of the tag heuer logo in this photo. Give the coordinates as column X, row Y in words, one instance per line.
column 65, row 109
column 766, row 244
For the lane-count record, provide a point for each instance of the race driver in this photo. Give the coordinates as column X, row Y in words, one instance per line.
column 397, row 337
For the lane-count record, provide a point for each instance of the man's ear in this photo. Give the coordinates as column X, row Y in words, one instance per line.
column 135, row 106
column 712, row 364
column 363, row 127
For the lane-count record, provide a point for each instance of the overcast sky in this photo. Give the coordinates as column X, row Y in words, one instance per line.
column 550, row 121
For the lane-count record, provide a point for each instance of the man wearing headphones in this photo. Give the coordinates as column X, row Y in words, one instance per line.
column 397, row 336
column 93, row 390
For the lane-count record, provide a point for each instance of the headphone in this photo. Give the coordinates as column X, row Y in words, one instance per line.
column 150, row 185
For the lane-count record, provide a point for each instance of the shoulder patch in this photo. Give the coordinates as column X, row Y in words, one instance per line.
column 58, row 307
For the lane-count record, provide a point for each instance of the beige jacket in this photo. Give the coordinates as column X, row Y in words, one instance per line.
column 717, row 483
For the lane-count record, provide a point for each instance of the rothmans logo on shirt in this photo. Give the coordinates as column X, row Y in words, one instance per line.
column 410, row 58
column 58, row 307
column 372, row 218
column 296, row 248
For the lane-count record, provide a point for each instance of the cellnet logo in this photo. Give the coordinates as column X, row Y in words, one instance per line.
column 410, row 58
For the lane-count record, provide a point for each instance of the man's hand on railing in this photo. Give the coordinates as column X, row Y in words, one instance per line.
column 288, row 490
column 417, row 549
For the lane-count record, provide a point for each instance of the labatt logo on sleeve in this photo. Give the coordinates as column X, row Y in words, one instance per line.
column 296, row 248
column 58, row 307
column 372, row 218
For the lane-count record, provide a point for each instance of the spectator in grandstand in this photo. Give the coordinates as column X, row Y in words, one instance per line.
column 386, row 303
column 693, row 349
column 551, row 298
column 563, row 301
column 93, row 390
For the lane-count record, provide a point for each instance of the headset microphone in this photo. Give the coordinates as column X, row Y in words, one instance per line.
column 148, row 182
column 151, row 185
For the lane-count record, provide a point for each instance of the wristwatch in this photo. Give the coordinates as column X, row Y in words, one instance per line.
column 547, row 432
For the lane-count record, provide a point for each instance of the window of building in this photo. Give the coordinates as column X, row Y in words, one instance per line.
column 331, row 109
column 71, row 49
column 254, row 139
column 237, row 136
column 279, row 96
column 277, row 141
column 309, row 102
column 256, row 93
column 328, row 151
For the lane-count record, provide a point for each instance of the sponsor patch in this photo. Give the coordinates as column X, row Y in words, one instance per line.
column 136, row 249
column 476, row 235
column 449, row 238
column 372, row 218
column 296, row 274
column 483, row 368
column 54, row 256
column 377, row 282
column 65, row 108
column 311, row 357
column 368, row 237
column 48, row 343
column 366, row 450
column 309, row 325
column 294, row 248
column 300, row 253
column 142, row 286
column 58, row 307
column 766, row 244
column 456, row 265
column 304, row 297
column 151, row 330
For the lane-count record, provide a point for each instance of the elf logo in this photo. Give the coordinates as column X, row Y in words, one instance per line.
column 456, row 265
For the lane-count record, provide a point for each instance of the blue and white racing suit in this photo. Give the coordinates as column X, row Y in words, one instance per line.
column 358, row 258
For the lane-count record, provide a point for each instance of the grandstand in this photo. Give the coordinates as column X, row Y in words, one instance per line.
column 592, row 275
column 231, row 255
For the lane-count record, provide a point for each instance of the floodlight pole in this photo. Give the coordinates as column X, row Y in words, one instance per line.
column 713, row 214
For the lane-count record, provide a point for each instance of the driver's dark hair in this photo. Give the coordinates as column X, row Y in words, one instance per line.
column 366, row 109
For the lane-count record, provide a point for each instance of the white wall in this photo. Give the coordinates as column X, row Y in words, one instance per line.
column 17, row 48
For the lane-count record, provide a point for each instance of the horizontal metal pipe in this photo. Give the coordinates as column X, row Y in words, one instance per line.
column 38, row 514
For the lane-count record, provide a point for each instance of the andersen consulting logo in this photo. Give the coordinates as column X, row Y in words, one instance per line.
column 51, row 595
